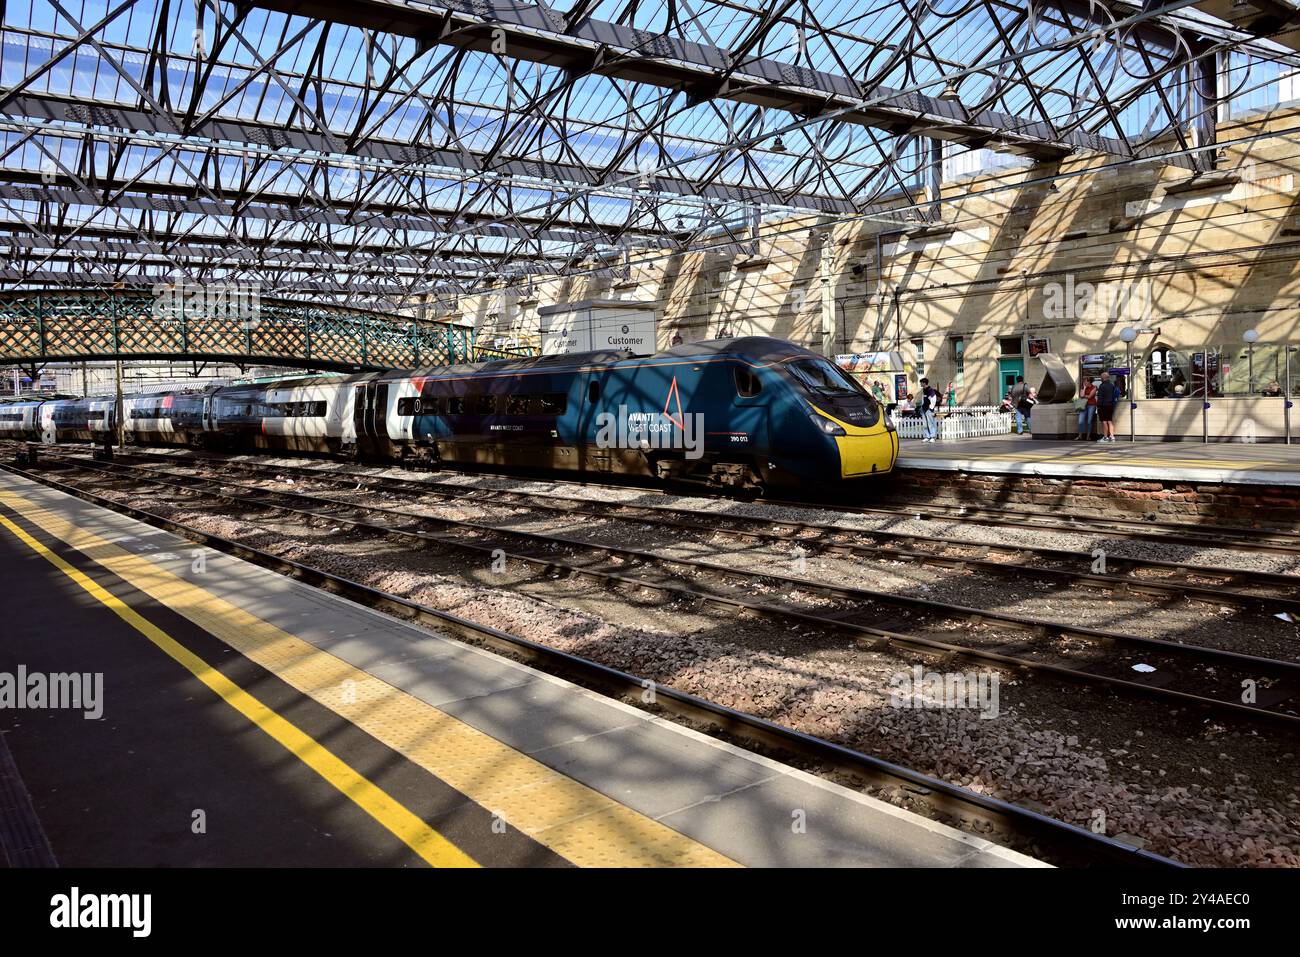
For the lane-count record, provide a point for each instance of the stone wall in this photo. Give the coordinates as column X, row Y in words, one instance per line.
column 1247, row 506
column 1011, row 261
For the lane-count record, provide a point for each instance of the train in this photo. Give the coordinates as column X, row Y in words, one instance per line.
column 748, row 413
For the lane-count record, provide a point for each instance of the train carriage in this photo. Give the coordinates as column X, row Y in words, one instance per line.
column 739, row 413
column 20, row 420
column 306, row 415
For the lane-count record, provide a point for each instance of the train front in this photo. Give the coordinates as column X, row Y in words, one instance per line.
column 854, row 428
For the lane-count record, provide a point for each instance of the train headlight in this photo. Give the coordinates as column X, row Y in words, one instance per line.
column 826, row 425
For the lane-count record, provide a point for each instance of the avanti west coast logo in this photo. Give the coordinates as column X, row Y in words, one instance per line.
column 653, row 430
column 80, row 910
column 37, row 691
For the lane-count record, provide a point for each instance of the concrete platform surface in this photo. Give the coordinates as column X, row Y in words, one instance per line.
column 311, row 730
column 1259, row 464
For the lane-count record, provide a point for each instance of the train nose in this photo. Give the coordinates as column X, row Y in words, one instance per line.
column 866, row 454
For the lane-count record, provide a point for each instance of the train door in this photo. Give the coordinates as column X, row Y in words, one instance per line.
column 209, row 421
column 369, row 417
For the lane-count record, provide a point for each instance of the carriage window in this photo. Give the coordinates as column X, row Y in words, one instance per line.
column 747, row 384
column 483, row 404
column 456, row 405
column 411, row 405
column 554, row 404
column 520, row 405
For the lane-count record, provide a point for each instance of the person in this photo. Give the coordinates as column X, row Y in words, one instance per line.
column 1017, row 395
column 877, row 391
column 1179, row 391
column 905, row 404
column 927, row 404
column 1107, row 396
column 1273, row 389
column 1025, row 408
column 677, row 338
column 1087, row 405
column 952, row 397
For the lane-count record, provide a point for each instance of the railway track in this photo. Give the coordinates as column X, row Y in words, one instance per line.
column 1184, row 674
column 1059, row 841
column 1123, row 575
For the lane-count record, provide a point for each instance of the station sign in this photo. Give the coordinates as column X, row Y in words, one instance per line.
column 598, row 325
column 868, row 362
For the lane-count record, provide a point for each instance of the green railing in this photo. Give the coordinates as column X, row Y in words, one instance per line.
column 38, row 327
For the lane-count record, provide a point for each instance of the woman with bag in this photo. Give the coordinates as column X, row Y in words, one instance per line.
column 1086, row 404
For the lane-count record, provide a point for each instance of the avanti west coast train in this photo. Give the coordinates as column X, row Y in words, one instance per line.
column 738, row 413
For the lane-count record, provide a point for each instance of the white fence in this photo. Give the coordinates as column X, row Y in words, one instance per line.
column 964, row 422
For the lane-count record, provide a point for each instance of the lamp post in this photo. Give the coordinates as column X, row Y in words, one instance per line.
column 1128, row 335
column 1251, row 336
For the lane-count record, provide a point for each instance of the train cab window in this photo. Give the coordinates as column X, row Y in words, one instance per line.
column 747, row 384
column 553, row 404
column 822, row 377
column 593, row 392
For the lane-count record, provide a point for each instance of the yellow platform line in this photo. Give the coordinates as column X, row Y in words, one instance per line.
column 378, row 803
column 1235, row 465
column 579, row 823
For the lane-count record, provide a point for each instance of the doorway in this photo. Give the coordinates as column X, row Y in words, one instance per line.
column 1008, row 370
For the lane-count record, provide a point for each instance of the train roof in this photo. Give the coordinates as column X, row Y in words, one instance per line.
column 757, row 348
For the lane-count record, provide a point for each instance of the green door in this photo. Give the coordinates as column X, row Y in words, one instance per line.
column 1008, row 369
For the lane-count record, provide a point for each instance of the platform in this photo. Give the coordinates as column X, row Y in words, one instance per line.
column 1232, row 463
column 302, row 729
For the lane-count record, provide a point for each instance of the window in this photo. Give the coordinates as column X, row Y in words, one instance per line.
column 958, row 346
column 455, row 405
column 554, row 404
column 1010, row 346
column 410, row 405
column 747, row 384
column 919, row 346
column 521, row 404
column 1168, row 374
column 593, row 392
column 482, row 404
column 296, row 410
column 822, row 377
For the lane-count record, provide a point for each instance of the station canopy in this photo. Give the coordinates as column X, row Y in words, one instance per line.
column 383, row 151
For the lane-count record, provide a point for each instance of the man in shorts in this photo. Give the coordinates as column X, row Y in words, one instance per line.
column 1107, row 399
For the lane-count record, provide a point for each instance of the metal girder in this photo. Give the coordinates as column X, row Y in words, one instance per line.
column 221, row 129
column 1278, row 20
column 271, row 255
column 60, row 279
column 277, row 209
column 536, row 33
